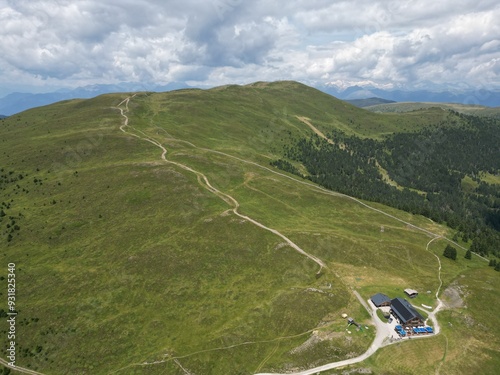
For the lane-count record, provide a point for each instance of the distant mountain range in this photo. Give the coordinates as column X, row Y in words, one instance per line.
column 362, row 103
column 490, row 98
column 2, row 116
column 357, row 95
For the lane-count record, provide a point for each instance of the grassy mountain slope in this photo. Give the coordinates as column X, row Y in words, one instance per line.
column 261, row 114
column 126, row 264
column 476, row 110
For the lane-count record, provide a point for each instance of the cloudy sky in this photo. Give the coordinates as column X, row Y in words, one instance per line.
column 51, row 44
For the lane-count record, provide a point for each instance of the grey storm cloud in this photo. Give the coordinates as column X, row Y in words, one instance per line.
column 78, row 42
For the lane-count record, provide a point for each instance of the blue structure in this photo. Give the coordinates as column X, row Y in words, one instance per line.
column 422, row 330
column 400, row 330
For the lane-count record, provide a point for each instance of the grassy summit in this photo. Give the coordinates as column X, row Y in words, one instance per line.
column 128, row 264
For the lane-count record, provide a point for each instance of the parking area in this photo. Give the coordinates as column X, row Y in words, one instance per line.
column 392, row 327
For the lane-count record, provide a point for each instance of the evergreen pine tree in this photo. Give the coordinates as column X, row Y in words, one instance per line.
column 450, row 252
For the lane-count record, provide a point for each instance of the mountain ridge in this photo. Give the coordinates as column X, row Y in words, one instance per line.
column 138, row 262
column 477, row 110
column 367, row 102
column 17, row 102
column 481, row 96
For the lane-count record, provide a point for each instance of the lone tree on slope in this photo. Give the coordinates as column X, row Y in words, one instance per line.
column 450, row 252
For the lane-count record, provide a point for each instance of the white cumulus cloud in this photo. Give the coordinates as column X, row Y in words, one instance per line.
column 68, row 43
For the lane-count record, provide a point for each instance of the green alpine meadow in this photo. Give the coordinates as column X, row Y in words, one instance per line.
column 228, row 230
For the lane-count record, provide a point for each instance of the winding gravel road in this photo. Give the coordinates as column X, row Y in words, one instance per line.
column 203, row 180
column 382, row 329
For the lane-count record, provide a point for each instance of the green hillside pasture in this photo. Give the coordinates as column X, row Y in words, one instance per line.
column 348, row 235
column 258, row 120
column 334, row 342
column 475, row 110
column 473, row 330
column 120, row 257
column 452, row 268
column 340, row 231
column 124, row 257
column 66, row 136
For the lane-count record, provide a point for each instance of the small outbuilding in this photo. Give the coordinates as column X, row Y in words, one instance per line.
column 412, row 293
column 380, row 300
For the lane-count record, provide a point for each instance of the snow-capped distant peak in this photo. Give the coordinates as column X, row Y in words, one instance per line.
column 345, row 84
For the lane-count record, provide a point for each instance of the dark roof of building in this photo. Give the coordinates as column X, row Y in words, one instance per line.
column 404, row 310
column 379, row 299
